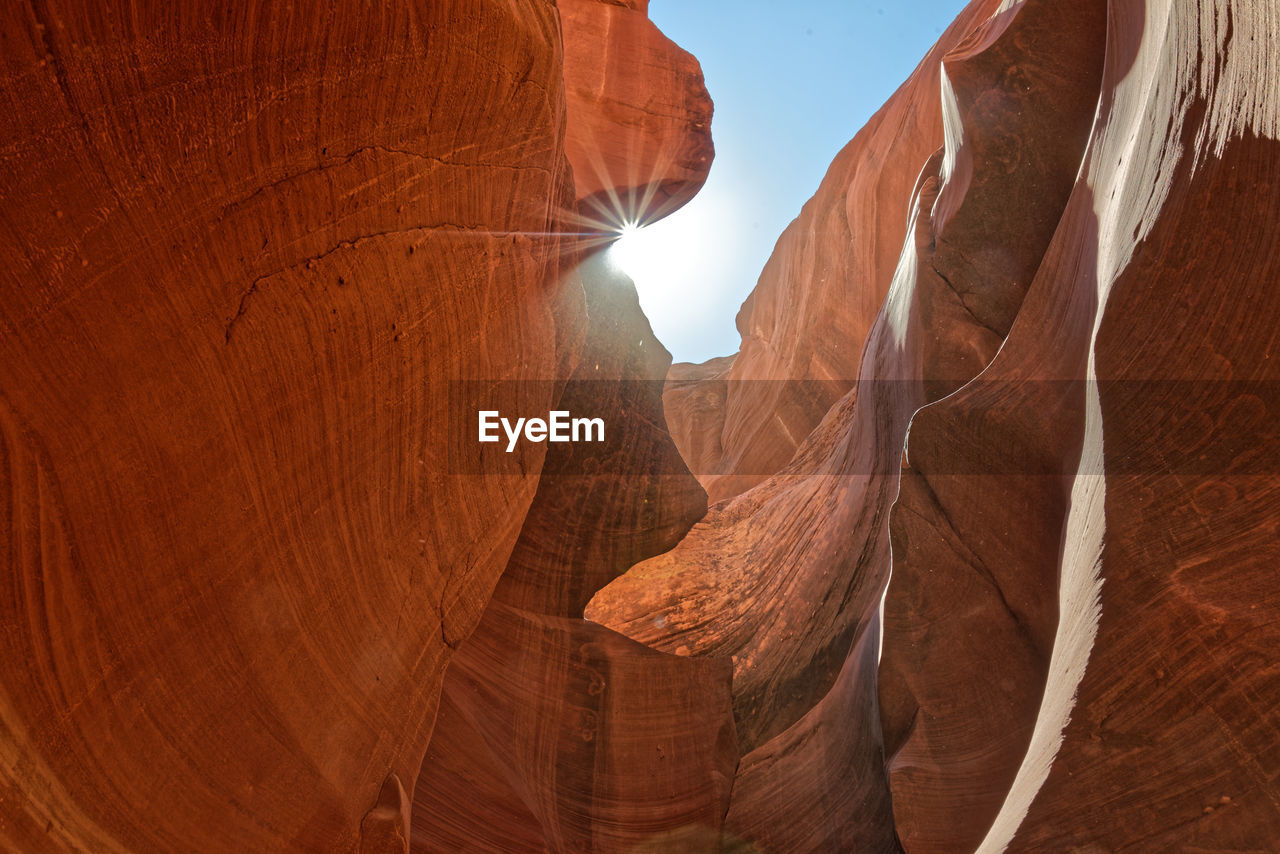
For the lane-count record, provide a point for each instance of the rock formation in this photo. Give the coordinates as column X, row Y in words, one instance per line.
column 804, row 326
column 1075, row 365
column 236, row 282
column 248, row 256
column 605, row 741
column 1168, row 601
column 595, row 742
column 639, row 132
column 989, row 561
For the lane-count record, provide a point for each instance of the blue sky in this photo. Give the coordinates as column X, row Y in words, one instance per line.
column 792, row 83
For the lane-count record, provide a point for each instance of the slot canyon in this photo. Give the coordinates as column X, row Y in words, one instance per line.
column 972, row 546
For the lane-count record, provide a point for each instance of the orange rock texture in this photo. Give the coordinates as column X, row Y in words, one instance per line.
column 1012, row 590
column 589, row 740
column 804, row 326
column 639, row 133
column 247, row 253
column 989, row 563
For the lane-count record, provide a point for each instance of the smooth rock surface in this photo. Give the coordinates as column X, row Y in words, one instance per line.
column 990, row 558
column 604, row 744
column 238, row 275
column 586, row 740
column 976, row 527
column 1079, row 337
column 639, row 133
column 1168, row 644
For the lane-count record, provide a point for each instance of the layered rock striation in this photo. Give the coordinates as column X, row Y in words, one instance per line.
column 991, row 585
column 805, row 324
column 639, row 116
column 249, row 254
column 589, row 740
column 989, row 559
column 238, row 273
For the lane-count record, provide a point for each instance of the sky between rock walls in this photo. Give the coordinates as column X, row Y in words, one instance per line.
column 792, row 83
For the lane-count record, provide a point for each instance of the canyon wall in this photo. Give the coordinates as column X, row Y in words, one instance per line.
column 590, row 740
column 1012, row 591
column 238, row 275
column 249, row 255
column 990, row 558
column 804, row 325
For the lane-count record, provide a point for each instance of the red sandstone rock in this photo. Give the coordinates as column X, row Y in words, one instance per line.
column 585, row 740
column 238, row 278
column 605, row 744
column 239, row 563
column 693, row 399
column 242, row 282
column 602, row 744
column 1008, row 543
column 970, row 571
column 1164, row 656
column 805, row 325
column 784, row 578
column 639, row 134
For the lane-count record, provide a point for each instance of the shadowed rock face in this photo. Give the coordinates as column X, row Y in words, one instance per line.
column 970, row 579
column 1175, row 725
column 607, row 743
column 588, row 740
column 598, row 743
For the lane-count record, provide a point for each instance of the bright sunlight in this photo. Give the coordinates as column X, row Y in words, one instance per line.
column 675, row 264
